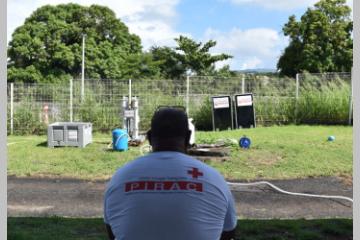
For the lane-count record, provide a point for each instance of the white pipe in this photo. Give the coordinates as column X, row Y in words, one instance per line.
column 290, row 193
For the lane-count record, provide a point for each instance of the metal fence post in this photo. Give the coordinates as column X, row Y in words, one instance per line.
column 296, row 96
column 11, row 108
column 83, row 69
column 187, row 94
column 351, row 98
column 71, row 99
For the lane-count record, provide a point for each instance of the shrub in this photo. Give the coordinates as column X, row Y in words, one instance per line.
column 203, row 116
column 27, row 120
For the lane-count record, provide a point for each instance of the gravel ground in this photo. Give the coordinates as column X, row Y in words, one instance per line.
column 79, row 198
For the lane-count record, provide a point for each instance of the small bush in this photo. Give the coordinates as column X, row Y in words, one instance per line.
column 27, row 121
column 102, row 115
column 203, row 116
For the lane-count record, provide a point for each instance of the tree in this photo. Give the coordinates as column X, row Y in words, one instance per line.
column 196, row 57
column 170, row 64
column 320, row 42
column 48, row 46
column 189, row 55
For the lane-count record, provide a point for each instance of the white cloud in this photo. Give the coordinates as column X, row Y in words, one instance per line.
column 277, row 4
column 153, row 21
column 251, row 63
column 281, row 4
column 154, row 32
column 252, row 48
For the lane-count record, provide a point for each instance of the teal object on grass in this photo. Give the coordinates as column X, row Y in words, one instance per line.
column 331, row 138
column 120, row 140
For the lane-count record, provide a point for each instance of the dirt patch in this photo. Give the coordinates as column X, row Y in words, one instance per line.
column 346, row 179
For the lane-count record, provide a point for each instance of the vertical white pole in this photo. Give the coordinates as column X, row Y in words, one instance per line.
column 11, row 108
column 130, row 100
column 71, row 99
column 83, row 68
column 296, row 96
column 130, row 126
column 350, row 98
column 187, row 93
column 243, row 84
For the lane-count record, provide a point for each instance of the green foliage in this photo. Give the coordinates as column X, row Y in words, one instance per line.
column 274, row 110
column 223, row 72
column 48, row 46
column 203, row 116
column 171, row 67
column 196, row 57
column 320, row 42
column 328, row 104
column 27, row 120
column 189, row 55
column 103, row 115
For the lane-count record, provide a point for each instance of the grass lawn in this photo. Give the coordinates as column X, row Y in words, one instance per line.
column 276, row 153
column 66, row 228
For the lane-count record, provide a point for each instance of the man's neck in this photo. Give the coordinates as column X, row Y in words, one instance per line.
column 169, row 148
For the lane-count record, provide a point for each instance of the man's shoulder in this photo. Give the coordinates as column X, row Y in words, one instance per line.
column 158, row 161
column 177, row 157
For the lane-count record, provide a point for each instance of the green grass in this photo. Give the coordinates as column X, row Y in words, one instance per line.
column 276, row 153
column 67, row 228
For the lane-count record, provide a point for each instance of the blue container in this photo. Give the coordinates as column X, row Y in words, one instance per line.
column 244, row 142
column 120, row 140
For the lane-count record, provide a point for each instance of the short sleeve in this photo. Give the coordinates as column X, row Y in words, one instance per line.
column 106, row 196
column 230, row 217
column 105, row 215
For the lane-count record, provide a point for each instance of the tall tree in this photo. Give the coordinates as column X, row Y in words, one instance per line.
column 170, row 64
column 188, row 55
column 196, row 56
column 48, row 46
column 320, row 42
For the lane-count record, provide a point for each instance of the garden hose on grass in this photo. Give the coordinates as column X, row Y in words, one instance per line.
column 142, row 148
column 290, row 193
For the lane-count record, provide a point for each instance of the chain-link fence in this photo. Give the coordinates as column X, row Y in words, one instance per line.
column 277, row 100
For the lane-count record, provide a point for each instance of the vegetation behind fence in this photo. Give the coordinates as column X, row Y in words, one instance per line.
column 310, row 99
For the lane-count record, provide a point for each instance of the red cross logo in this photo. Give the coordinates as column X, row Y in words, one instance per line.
column 195, row 173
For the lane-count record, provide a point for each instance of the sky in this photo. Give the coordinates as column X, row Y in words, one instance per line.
column 249, row 30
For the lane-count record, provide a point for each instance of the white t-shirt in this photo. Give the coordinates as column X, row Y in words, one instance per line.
column 168, row 195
